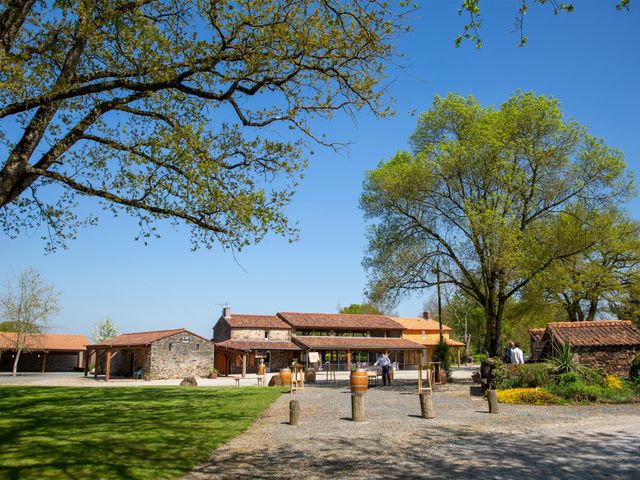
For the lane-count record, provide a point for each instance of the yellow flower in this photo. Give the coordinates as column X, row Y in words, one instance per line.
column 527, row 396
column 612, row 382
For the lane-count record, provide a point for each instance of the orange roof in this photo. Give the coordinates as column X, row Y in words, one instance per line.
column 256, row 321
column 257, row 345
column 140, row 338
column 45, row 341
column 415, row 323
column 339, row 321
column 597, row 333
column 355, row 343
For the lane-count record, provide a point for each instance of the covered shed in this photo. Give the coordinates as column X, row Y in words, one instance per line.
column 43, row 352
column 240, row 356
column 152, row 355
column 610, row 345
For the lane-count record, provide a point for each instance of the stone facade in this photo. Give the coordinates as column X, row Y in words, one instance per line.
column 613, row 360
column 127, row 361
column 260, row 334
column 181, row 355
column 221, row 331
column 280, row 359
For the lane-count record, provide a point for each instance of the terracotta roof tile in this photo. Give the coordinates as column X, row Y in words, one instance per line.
column 339, row 321
column 356, row 343
column 140, row 338
column 597, row 333
column 256, row 321
column 46, row 341
column 257, row 345
column 415, row 323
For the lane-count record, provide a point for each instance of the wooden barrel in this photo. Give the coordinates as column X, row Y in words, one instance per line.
column 310, row 376
column 285, row 377
column 359, row 381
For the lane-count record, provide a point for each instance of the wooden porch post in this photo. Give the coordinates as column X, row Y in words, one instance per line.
column 348, row 360
column 85, row 357
column 107, row 368
column 244, row 364
column 97, row 363
column 44, row 362
column 458, row 356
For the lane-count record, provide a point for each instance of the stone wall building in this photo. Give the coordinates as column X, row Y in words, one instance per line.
column 609, row 345
column 153, row 355
column 43, row 352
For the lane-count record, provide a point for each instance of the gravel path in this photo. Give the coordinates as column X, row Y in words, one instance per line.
column 597, row 441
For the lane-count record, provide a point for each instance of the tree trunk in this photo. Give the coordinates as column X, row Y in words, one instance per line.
column 15, row 362
column 593, row 308
column 492, row 340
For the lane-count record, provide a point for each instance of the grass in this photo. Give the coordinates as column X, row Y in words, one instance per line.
column 124, row 433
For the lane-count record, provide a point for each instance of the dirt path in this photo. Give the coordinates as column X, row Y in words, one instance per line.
column 585, row 442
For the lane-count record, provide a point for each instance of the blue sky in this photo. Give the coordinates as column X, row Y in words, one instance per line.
column 589, row 60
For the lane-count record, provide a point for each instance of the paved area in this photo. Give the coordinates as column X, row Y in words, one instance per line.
column 464, row 441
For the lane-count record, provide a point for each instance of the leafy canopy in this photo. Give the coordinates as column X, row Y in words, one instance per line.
column 177, row 109
column 485, row 199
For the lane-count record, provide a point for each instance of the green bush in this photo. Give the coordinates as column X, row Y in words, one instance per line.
column 634, row 372
column 572, row 387
column 480, row 357
column 530, row 375
column 441, row 353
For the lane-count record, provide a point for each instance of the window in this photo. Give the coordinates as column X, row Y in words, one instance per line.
column 197, row 346
column 170, row 346
column 266, row 334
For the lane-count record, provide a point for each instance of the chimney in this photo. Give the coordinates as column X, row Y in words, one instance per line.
column 427, row 315
column 226, row 312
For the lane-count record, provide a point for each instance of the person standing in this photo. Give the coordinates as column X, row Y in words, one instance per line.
column 508, row 353
column 385, row 363
column 517, row 354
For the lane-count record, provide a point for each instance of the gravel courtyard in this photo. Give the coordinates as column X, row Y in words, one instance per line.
column 463, row 441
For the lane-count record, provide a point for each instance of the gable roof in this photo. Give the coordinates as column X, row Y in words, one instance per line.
column 416, row 323
column 339, row 321
column 141, row 338
column 536, row 334
column 45, row 341
column 256, row 321
column 596, row 333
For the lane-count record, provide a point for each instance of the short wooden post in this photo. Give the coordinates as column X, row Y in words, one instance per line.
column 294, row 412
column 493, row 401
column 357, row 407
column 426, row 405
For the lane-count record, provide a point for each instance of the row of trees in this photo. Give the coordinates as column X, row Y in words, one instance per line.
column 513, row 208
column 26, row 306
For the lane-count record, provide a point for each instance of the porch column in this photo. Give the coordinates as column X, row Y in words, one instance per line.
column 85, row 358
column 348, row 360
column 107, row 368
column 44, row 362
column 458, row 356
column 244, row 365
column 96, row 353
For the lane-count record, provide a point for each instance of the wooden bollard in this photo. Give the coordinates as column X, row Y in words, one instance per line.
column 426, row 405
column 294, row 412
column 492, row 396
column 357, row 407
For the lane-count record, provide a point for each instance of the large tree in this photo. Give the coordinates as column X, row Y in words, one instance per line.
column 483, row 200
column 25, row 308
column 588, row 283
column 176, row 109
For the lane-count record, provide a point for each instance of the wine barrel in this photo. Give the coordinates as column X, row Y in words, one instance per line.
column 310, row 376
column 359, row 381
column 285, row 377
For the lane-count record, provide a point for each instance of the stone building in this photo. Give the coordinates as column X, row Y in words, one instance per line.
column 153, row 355
column 43, row 352
column 609, row 345
column 426, row 332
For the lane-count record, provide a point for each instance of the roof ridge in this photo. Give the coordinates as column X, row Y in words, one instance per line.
column 589, row 323
column 150, row 331
column 337, row 313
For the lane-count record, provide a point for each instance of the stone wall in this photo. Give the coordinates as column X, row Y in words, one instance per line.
column 613, row 360
column 181, row 355
column 280, row 359
column 125, row 362
column 280, row 334
column 221, row 330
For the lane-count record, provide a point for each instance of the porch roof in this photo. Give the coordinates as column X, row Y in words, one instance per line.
column 247, row 345
column 355, row 343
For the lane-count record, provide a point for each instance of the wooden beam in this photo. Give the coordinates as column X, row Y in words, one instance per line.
column 85, row 357
column 97, row 363
column 348, row 360
column 458, row 356
column 44, row 362
column 107, row 368
column 244, row 365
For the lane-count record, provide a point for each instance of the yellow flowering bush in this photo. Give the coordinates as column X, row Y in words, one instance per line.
column 613, row 382
column 527, row 396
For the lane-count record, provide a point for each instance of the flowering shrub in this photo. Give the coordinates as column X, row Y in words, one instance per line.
column 612, row 382
column 527, row 396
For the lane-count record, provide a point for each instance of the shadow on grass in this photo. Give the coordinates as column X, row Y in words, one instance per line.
column 130, row 433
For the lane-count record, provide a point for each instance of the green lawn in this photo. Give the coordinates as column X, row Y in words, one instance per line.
column 131, row 433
